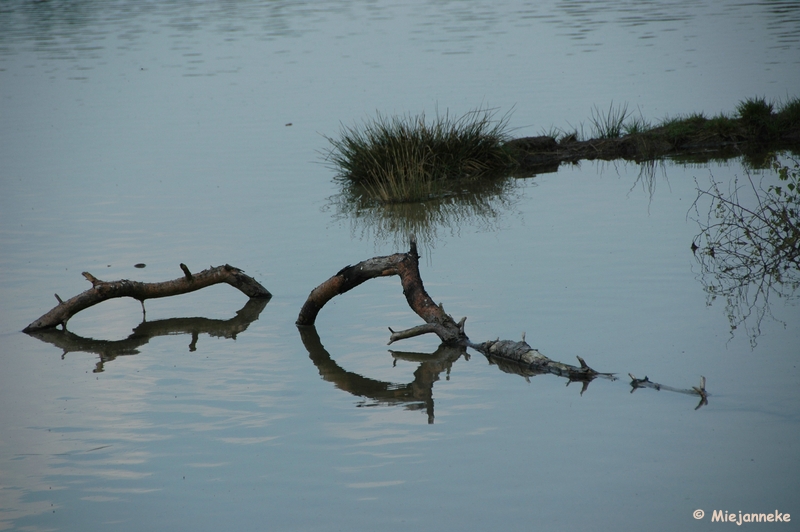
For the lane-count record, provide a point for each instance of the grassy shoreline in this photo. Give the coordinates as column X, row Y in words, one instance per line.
column 407, row 159
column 758, row 127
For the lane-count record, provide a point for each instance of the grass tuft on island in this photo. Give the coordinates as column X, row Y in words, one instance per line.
column 408, row 158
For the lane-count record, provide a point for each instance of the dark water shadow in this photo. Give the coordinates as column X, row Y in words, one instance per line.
column 415, row 395
column 109, row 350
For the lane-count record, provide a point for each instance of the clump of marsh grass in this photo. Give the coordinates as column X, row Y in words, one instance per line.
column 756, row 115
column 637, row 125
column 409, row 158
column 789, row 113
column 609, row 124
column 682, row 129
column 755, row 109
column 767, row 120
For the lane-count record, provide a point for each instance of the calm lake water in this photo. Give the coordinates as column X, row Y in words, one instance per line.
column 192, row 132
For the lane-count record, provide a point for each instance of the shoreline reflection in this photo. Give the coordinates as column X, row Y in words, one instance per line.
column 481, row 203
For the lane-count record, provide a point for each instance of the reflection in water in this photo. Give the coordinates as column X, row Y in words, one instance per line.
column 477, row 203
column 749, row 245
column 108, row 350
column 416, row 395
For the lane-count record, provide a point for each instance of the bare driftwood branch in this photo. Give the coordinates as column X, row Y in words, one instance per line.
column 510, row 356
column 532, row 360
column 103, row 290
column 405, row 265
column 437, row 321
column 694, row 390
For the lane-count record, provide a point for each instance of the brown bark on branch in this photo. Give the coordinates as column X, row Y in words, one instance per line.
column 102, row 291
column 405, row 265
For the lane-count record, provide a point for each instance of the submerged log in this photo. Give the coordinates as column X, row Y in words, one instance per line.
column 533, row 155
column 104, row 290
column 694, row 390
column 531, row 359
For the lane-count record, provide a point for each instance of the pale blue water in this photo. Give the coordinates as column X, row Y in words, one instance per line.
column 157, row 133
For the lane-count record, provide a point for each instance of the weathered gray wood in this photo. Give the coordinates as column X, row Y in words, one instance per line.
column 529, row 358
column 102, row 291
column 694, row 390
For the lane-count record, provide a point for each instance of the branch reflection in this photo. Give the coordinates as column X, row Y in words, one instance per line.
column 749, row 244
column 109, row 350
column 415, row 395
column 418, row 394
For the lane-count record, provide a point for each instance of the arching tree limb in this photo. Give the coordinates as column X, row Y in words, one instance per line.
column 102, row 291
column 406, row 266
column 510, row 356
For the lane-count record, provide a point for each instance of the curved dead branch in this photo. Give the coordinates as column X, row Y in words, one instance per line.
column 512, row 357
column 406, row 266
column 103, row 290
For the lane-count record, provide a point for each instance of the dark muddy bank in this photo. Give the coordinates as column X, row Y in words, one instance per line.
column 696, row 138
